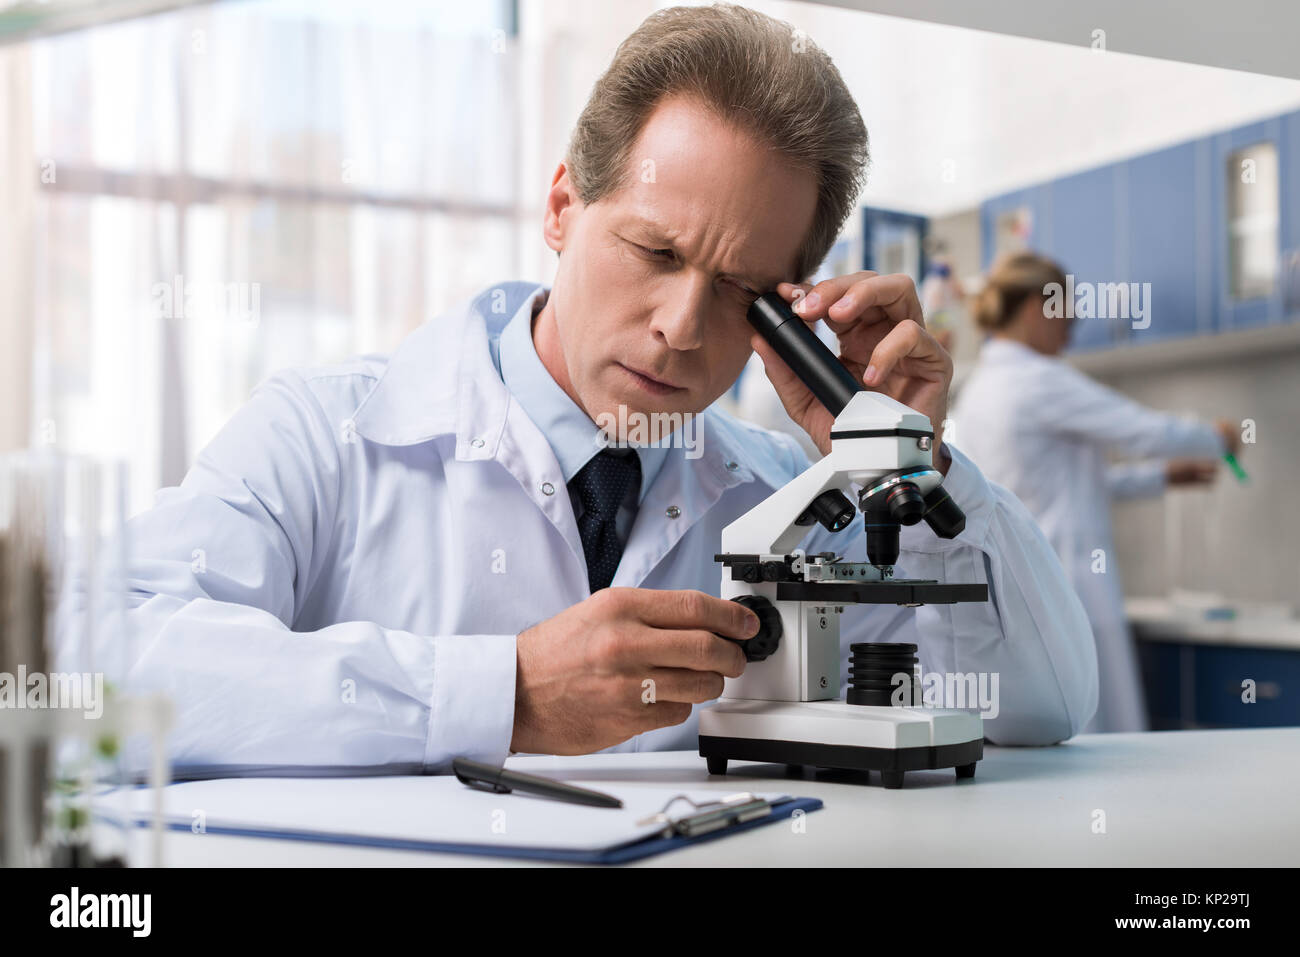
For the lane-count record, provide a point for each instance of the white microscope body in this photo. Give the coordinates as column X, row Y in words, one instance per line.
column 787, row 707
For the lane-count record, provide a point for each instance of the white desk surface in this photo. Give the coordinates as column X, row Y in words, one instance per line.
column 1173, row 798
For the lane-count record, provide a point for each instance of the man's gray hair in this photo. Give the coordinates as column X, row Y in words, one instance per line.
column 753, row 71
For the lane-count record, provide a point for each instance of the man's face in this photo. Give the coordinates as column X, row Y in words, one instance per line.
column 655, row 280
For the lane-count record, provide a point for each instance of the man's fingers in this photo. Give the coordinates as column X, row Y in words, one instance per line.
column 818, row 298
column 695, row 650
column 907, row 339
column 789, row 291
column 844, row 301
column 663, row 714
column 692, row 609
column 894, row 295
column 682, row 684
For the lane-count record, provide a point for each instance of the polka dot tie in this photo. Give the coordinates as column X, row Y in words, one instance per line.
column 602, row 485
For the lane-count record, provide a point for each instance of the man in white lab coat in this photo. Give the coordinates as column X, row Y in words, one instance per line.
column 1045, row 430
column 399, row 560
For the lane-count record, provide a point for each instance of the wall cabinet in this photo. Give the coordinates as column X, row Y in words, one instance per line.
column 1175, row 219
column 1195, row 685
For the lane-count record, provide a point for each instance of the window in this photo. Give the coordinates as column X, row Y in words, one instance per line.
column 228, row 190
column 1253, row 221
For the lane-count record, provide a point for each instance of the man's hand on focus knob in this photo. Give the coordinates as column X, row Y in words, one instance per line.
column 581, row 676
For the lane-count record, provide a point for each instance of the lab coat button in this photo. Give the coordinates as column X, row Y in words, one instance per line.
column 732, row 466
column 548, row 488
column 477, row 443
column 672, row 511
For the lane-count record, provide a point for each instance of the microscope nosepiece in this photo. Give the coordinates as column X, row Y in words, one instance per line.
column 832, row 508
column 906, row 506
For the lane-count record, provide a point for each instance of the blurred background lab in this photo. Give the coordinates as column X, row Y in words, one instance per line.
column 1043, row 429
column 196, row 194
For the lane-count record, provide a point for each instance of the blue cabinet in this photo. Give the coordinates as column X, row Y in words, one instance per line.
column 1163, row 665
column 1220, row 675
column 1289, row 274
column 1168, row 225
column 1084, row 238
column 1163, row 218
column 1194, row 685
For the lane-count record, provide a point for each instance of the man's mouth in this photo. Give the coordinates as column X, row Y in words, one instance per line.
column 648, row 382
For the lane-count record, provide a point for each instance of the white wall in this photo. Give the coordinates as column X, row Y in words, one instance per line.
column 1242, row 541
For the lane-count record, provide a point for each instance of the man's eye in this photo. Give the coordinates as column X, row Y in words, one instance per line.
column 743, row 294
column 663, row 255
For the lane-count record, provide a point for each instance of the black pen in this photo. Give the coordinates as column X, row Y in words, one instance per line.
column 486, row 777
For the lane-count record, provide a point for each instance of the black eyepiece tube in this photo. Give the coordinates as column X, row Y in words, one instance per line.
column 812, row 362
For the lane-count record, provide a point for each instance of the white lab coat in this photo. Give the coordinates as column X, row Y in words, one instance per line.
column 340, row 579
column 1038, row 426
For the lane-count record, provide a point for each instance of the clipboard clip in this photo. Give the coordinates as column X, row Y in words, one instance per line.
column 711, row 815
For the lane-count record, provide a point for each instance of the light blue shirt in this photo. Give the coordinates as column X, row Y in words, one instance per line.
column 571, row 433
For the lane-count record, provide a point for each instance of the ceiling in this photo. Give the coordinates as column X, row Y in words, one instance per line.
column 957, row 115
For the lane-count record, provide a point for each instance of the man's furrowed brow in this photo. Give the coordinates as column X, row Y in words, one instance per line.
column 653, row 232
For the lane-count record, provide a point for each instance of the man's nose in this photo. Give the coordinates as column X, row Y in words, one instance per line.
column 680, row 321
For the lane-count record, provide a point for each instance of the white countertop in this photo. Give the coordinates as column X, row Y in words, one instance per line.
column 1175, row 798
column 1158, row 619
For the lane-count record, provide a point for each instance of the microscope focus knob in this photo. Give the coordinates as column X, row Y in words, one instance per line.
column 763, row 644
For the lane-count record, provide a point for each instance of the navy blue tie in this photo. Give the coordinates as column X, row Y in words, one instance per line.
column 602, row 485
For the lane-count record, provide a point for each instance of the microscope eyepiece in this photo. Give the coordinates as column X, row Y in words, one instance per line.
column 806, row 355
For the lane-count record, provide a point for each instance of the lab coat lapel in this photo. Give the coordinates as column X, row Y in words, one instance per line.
column 492, row 425
column 526, row 454
column 441, row 381
column 683, row 494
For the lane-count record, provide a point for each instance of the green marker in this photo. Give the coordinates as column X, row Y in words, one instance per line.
column 1237, row 470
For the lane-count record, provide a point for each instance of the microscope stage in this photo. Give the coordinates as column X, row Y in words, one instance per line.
column 836, row 734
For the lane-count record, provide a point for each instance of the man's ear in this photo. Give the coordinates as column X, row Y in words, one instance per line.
column 561, row 204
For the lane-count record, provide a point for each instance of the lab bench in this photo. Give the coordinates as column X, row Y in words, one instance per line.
column 1175, row 799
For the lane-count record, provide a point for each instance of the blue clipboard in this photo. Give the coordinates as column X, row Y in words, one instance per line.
column 619, row 854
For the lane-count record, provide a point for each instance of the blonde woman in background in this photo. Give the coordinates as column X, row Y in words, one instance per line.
column 1046, row 431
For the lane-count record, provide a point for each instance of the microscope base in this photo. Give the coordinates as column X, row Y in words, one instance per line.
column 835, row 734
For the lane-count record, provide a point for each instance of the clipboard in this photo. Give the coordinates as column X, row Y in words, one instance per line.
column 436, row 814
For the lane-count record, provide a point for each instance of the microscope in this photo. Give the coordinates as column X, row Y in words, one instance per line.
column 786, row 707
